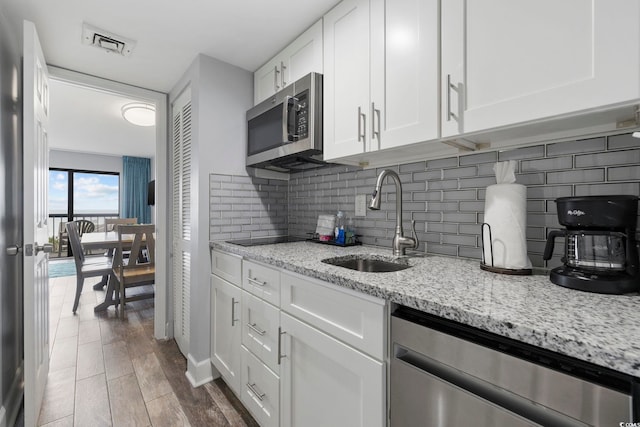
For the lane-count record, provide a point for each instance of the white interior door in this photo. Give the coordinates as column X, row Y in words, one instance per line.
column 36, row 275
column 181, row 218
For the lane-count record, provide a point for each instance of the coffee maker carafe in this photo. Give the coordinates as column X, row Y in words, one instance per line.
column 600, row 248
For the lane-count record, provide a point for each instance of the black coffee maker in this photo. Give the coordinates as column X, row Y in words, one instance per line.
column 600, row 249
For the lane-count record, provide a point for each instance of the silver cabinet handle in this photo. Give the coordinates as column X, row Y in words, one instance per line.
column 280, row 334
column 275, row 78
column 362, row 128
column 282, row 68
column 449, row 87
column 375, row 113
column 255, row 391
column 233, row 311
column 256, row 281
column 14, row 250
column 257, row 330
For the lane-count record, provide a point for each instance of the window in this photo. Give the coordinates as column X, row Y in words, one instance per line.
column 77, row 194
column 93, row 193
column 96, row 193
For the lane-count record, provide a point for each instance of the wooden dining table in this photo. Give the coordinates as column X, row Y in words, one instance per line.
column 107, row 240
column 99, row 240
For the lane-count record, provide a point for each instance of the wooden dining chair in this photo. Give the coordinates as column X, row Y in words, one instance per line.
column 111, row 223
column 85, row 266
column 137, row 270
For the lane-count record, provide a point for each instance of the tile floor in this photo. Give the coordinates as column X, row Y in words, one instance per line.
column 108, row 372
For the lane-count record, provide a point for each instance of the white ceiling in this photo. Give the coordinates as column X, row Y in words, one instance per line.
column 169, row 34
column 90, row 121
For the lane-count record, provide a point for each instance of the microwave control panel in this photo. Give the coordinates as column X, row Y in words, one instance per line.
column 301, row 113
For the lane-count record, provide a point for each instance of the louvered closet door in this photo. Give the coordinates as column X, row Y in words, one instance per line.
column 181, row 218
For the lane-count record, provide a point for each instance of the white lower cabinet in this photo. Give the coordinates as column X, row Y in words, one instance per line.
column 226, row 330
column 260, row 390
column 297, row 351
column 325, row 382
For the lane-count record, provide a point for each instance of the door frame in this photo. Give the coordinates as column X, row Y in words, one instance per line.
column 162, row 314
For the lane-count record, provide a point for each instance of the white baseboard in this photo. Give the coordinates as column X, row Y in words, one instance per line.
column 199, row 373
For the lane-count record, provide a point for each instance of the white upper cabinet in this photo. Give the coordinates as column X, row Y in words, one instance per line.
column 508, row 62
column 404, row 72
column 381, row 75
column 346, row 79
column 301, row 57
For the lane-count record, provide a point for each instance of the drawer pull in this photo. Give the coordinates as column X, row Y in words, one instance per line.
column 254, row 328
column 254, row 390
column 256, row 281
column 233, row 311
column 280, row 356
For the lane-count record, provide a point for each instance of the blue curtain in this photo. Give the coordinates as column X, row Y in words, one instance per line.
column 135, row 177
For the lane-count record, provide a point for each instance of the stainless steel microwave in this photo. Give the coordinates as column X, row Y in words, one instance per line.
column 285, row 130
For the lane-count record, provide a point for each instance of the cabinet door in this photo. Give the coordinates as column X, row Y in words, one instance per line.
column 260, row 322
column 267, row 80
column 404, row 72
column 512, row 62
column 327, row 383
column 303, row 56
column 346, row 79
column 226, row 330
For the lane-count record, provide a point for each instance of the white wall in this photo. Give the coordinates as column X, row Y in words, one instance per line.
column 220, row 96
column 85, row 161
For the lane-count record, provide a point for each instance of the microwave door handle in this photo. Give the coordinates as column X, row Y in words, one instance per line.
column 286, row 118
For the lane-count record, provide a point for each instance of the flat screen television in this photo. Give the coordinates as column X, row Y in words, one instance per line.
column 151, row 193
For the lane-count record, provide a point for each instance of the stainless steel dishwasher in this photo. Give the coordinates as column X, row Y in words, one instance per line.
column 445, row 374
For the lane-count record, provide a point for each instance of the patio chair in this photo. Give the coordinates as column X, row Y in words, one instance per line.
column 85, row 226
column 85, row 266
column 137, row 270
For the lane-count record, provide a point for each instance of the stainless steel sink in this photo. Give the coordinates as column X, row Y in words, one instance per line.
column 368, row 263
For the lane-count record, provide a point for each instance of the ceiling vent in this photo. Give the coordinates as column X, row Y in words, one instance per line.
column 109, row 42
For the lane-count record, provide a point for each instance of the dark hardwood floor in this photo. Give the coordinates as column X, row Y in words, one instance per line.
column 109, row 372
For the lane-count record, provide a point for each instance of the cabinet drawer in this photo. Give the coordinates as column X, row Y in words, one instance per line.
column 260, row 322
column 354, row 320
column 227, row 266
column 261, row 281
column 260, row 390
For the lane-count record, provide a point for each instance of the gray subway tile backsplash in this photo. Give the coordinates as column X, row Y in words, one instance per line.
column 444, row 196
column 611, row 158
column 576, row 147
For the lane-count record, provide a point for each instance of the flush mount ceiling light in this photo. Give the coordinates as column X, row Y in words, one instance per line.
column 139, row 114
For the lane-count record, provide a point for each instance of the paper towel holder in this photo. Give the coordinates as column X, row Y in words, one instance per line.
column 493, row 269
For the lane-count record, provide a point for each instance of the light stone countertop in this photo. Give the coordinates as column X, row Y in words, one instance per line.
column 601, row 329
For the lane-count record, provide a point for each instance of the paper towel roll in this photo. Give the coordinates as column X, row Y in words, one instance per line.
column 505, row 210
